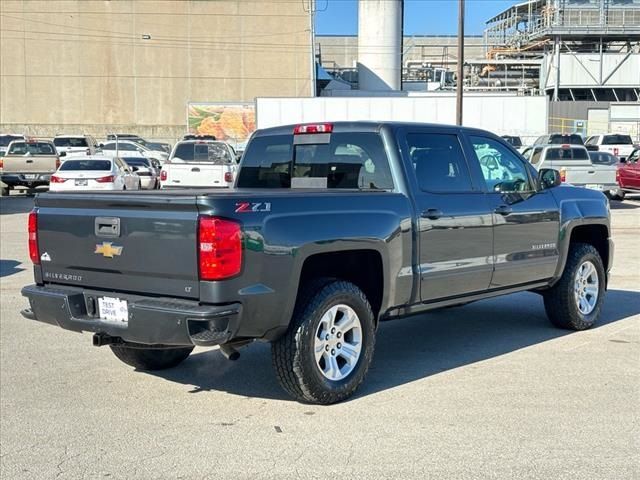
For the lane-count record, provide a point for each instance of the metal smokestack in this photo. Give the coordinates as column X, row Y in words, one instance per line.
column 380, row 44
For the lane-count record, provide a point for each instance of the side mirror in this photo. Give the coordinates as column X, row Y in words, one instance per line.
column 62, row 154
column 548, row 178
column 623, row 160
column 101, row 145
column 134, row 169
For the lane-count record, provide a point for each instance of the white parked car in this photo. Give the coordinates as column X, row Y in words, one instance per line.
column 73, row 145
column 144, row 168
column 127, row 147
column 617, row 144
column 94, row 173
column 200, row 163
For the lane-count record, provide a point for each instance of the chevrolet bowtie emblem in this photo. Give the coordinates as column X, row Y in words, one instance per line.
column 107, row 250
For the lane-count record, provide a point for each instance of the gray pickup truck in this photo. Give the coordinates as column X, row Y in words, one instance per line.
column 330, row 229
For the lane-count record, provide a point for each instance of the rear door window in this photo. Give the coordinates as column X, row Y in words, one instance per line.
column 439, row 163
column 348, row 161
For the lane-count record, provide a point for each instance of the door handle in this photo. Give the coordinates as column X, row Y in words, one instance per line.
column 195, row 169
column 591, row 171
column 29, row 161
column 431, row 214
column 503, row 210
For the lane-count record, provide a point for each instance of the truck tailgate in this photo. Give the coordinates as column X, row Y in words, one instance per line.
column 29, row 163
column 136, row 243
column 196, row 174
column 592, row 176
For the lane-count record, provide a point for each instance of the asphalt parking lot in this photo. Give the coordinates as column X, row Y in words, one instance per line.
column 488, row 390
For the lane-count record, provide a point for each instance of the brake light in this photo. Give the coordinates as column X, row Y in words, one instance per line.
column 313, row 128
column 228, row 177
column 563, row 175
column 55, row 179
column 1, row 163
column 565, row 146
column 107, row 179
column 219, row 248
column 34, row 252
column 163, row 176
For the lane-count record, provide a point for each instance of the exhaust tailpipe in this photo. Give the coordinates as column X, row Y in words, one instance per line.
column 229, row 352
column 102, row 339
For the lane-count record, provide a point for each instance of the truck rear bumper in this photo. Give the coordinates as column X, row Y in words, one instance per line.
column 26, row 180
column 151, row 320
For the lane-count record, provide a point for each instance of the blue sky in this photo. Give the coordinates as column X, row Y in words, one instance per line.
column 421, row 17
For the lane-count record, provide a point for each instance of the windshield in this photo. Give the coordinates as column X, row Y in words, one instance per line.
column 137, row 162
column 33, row 148
column 573, row 139
column 203, row 152
column 85, row 165
column 69, row 142
column 514, row 141
column 5, row 140
column 617, row 140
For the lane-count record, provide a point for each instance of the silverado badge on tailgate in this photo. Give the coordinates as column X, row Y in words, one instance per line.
column 107, row 250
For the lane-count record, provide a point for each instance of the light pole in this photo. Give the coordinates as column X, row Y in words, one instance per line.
column 460, row 62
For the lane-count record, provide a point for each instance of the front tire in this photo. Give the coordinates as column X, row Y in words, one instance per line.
column 575, row 301
column 151, row 358
column 324, row 356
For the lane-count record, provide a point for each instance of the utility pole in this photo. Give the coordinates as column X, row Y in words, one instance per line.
column 460, row 62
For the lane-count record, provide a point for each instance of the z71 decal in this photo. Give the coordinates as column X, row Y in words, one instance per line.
column 245, row 207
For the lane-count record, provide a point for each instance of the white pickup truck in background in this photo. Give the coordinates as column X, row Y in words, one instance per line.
column 617, row 144
column 576, row 167
column 199, row 163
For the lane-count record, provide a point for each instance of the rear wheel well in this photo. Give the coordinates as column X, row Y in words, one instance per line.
column 363, row 268
column 596, row 235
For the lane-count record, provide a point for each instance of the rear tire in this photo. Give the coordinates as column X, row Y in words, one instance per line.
column 324, row 356
column 151, row 358
column 568, row 303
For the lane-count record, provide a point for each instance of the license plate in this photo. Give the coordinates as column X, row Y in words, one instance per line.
column 595, row 186
column 81, row 183
column 30, row 176
column 113, row 310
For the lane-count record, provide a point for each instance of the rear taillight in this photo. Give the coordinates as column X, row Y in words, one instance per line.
column 219, row 248
column 616, row 151
column 107, row 179
column 563, row 175
column 163, row 176
column 34, row 253
column 228, row 177
column 1, row 163
column 618, row 175
column 313, row 128
column 57, row 163
column 55, row 179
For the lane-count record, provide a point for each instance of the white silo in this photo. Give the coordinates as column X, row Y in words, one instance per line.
column 380, row 44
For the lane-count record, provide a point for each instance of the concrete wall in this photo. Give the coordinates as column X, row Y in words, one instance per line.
column 84, row 66
column 342, row 51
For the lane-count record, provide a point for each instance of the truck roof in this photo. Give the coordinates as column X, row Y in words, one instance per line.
column 364, row 126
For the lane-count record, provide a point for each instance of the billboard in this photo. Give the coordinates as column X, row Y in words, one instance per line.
column 231, row 122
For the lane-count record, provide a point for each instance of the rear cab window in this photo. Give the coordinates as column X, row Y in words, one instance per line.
column 31, row 148
column 355, row 160
column 572, row 139
column 216, row 153
column 555, row 154
column 70, row 142
column 617, row 140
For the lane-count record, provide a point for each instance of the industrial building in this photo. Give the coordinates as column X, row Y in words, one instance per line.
column 97, row 67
